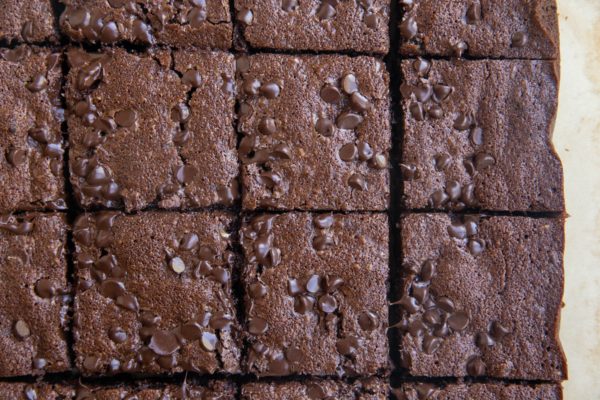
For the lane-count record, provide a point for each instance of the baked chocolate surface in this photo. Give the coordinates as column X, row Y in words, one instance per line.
column 357, row 26
column 37, row 391
column 316, row 287
column 478, row 135
column 481, row 296
column 35, row 294
column 484, row 28
column 152, row 129
column 31, row 166
column 308, row 144
column 482, row 391
column 154, row 293
column 314, row 389
column 30, row 21
column 191, row 23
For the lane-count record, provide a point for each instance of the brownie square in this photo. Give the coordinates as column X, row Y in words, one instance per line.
column 363, row 389
column 141, row 132
column 356, row 26
column 481, row 296
column 35, row 294
column 481, row 28
column 478, row 135
column 193, row 23
column 37, row 391
column 316, row 287
column 216, row 390
column 316, row 132
column 154, row 293
column 30, row 21
column 31, row 158
column 479, row 391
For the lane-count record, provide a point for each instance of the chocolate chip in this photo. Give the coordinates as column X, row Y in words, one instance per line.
column 303, row 304
column 257, row 290
column 475, row 367
column 347, row 346
column 367, row 321
column 476, row 136
column 357, row 181
column 289, row 5
column 333, row 283
column 141, row 31
column 128, row 302
column 267, row 126
column 40, row 135
column 109, row 32
column 257, row 326
column 45, row 289
column 379, row 161
column 484, row 340
column 442, row 161
column 30, row 393
column 417, row 111
column 21, row 329
column 519, row 39
column 330, row 94
column 89, row 75
column 163, row 343
column 434, row 111
column 278, row 367
column 441, row 92
column 498, row 331
column 476, row 246
column 177, row 265
column 409, row 172
column 365, row 153
column 371, row 20
column 325, row 11
column 453, row 190
column 323, row 221
column 348, row 152
column 186, row 173
column 197, row 16
column 359, row 103
column 483, row 160
column 457, row 231
column 37, row 84
column 428, row 270
column 245, row 16
column 324, row 126
column 459, row 48
column 209, row 341
column 117, row 335
column 473, row 13
column 91, row 363
column 327, row 303
column 192, row 77
column 313, row 285
column 180, row 113
column 125, row 118
column 349, row 84
column 315, row 392
column 242, row 64
column 421, row 66
column 16, row 157
column 348, row 120
column 431, row 344
column 409, row 28
column 458, row 321
column 270, row 90
column 462, row 122
column 282, row 151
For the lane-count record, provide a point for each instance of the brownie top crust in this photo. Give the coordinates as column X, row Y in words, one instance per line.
column 526, row 29
column 29, row 21
column 479, row 391
column 316, row 389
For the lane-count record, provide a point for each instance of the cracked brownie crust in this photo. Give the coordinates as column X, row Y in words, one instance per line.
column 142, row 132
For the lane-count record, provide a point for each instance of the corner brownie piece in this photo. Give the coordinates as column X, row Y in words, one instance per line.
column 214, row 390
column 154, row 293
column 478, row 135
column 198, row 23
column 314, row 389
column 479, row 391
column 141, row 132
column 480, row 28
column 330, row 25
column 31, row 162
column 35, row 294
column 30, row 21
column 35, row 391
column 316, row 132
column 316, row 294
column 481, row 296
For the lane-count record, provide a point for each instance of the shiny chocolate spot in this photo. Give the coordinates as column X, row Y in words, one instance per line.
column 409, row 28
column 349, row 84
column 21, row 329
column 117, row 335
column 330, row 94
column 163, row 343
column 368, row 321
column 257, row 326
column 348, row 152
column 37, row 83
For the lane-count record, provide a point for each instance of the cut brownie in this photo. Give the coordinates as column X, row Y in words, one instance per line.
column 478, row 135
column 316, row 132
column 30, row 21
column 481, row 296
column 198, row 23
column 141, row 131
column 318, row 25
column 154, row 293
column 215, row 390
column 35, row 295
column 486, row 391
column 30, row 141
column 363, row 389
column 480, row 28
column 316, row 287
column 35, row 391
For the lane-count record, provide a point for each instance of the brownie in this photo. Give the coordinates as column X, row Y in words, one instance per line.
column 35, row 294
column 480, row 391
column 141, row 132
column 480, row 28
column 316, row 294
column 478, row 135
column 330, row 25
column 481, row 296
column 190, row 23
column 30, row 135
column 215, row 390
column 34, row 391
column 154, row 293
column 30, row 21
column 313, row 389
column 316, row 132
